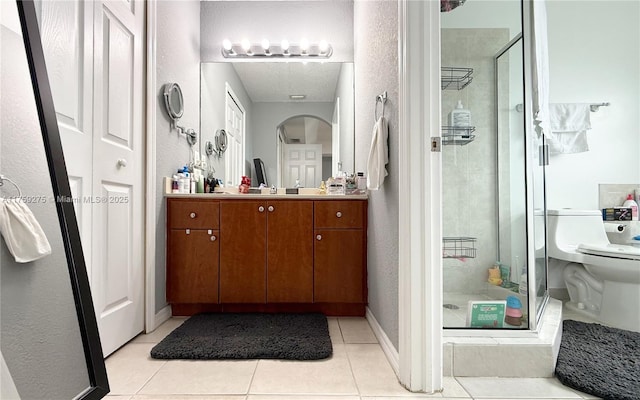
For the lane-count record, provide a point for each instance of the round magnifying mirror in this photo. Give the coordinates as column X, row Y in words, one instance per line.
column 173, row 100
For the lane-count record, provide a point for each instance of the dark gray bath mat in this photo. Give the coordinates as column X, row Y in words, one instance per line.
column 248, row 336
column 599, row 360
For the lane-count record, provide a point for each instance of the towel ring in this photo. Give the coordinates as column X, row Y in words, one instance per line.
column 4, row 178
column 381, row 98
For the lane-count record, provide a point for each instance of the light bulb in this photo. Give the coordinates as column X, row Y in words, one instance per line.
column 324, row 46
column 304, row 45
column 284, row 45
column 265, row 44
column 246, row 45
column 227, row 45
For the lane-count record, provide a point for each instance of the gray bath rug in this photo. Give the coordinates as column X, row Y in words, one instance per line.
column 222, row 336
column 599, row 360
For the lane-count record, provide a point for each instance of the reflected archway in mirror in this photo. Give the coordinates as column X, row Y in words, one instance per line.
column 304, row 146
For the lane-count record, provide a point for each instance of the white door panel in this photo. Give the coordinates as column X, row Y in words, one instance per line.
column 67, row 39
column 235, row 128
column 304, row 163
column 117, row 172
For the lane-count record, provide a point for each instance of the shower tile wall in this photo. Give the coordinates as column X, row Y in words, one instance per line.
column 469, row 172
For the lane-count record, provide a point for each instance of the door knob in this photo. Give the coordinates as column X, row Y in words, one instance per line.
column 261, row 209
column 270, row 209
column 122, row 163
column 319, row 237
column 339, row 214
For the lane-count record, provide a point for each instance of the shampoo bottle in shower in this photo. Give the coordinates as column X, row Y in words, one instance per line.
column 460, row 116
column 523, row 287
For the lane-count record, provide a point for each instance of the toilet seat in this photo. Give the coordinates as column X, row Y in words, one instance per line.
column 610, row 250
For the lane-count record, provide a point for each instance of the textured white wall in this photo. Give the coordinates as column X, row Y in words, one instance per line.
column 376, row 70
column 595, row 58
column 177, row 60
column 331, row 20
column 41, row 340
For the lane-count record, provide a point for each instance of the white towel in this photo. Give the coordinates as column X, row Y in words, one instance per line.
column 21, row 231
column 378, row 155
column 540, row 68
column 569, row 124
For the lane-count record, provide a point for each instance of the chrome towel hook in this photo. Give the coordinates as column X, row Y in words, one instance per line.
column 381, row 98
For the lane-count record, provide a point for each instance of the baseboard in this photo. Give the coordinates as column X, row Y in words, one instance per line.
column 161, row 316
column 387, row 347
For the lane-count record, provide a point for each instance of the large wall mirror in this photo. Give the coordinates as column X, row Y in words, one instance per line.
column 50, row 343
column 296, row 117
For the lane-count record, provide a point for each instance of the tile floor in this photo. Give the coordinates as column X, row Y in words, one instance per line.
column 358, row 370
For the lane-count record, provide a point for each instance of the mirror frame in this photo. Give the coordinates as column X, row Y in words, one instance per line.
column 169, row 90
column 99, row 385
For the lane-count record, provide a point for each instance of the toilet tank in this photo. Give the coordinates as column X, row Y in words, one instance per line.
column 568, row 228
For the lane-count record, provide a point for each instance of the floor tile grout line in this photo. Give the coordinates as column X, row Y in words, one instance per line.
column 253, row 376
column 150, row 378
column 353, row 375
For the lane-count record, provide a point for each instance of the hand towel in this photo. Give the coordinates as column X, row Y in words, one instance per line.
column 569, row 123
column 21, row 231
column 378, row 155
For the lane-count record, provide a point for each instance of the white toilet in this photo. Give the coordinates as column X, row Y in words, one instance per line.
column 603, row 279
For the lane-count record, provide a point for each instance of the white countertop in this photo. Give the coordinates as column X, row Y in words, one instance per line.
column 247, row 196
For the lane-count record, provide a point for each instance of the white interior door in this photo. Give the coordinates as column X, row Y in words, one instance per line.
column 234, row 126
column 304, row 163
column 67, row 38
column 118, row 208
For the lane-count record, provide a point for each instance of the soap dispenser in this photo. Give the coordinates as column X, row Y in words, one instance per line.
column 460, row 116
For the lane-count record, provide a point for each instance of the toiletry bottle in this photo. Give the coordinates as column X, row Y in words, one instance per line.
column 631, row 203
column 361, row 182
column 523, row 288
column 186, row 180
column 180, row 181
column 175, row 186
column 460, row 116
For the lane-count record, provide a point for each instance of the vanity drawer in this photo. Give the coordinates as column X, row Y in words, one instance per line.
column 338, row 214
column 193, row 214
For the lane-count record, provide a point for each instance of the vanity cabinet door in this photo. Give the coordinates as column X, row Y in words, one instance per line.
column 243, row 251
column 339, row 272
column 290, row 251
column 192, row 266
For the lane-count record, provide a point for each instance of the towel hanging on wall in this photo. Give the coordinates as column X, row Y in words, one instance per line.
column 569, row 123
column 21, row 231
column 378, row 155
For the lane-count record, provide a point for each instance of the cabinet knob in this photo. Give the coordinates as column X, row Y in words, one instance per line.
column 339, row 214
column 261, row 209
column 213, row 238
column 193, row 215
column 121, row 163
column 319, row 237
column 270, row 208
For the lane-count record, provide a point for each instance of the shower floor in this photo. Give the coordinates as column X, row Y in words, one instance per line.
column 454, row 312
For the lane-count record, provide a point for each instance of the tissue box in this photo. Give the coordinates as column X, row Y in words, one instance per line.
column 616, row 214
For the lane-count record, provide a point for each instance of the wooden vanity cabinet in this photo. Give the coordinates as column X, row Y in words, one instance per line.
column 266, row 255
column 266, row 251
column 243, row 251
column 340, row 252
column 193, row 248
column 290, row 251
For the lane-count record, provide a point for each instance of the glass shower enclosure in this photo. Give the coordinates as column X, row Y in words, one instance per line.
column 493, row 185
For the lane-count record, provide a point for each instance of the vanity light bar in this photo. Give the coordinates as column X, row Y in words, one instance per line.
column 304, row 49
